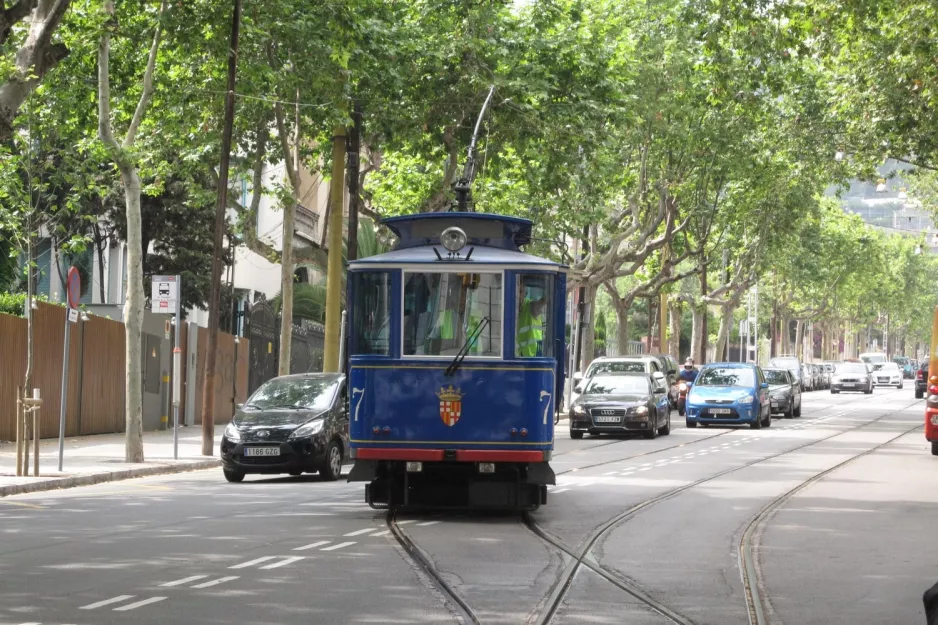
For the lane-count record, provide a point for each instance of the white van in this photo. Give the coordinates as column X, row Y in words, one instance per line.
column 872, row 358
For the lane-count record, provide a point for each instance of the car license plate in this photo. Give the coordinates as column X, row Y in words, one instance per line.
column 607, row 419
column 720, row 411
column 849, row 385
column 775, row 404
column 261, row 451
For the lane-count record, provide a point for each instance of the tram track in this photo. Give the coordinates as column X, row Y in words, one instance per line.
column 459, row 607
column 582, row 556
column 757, row 599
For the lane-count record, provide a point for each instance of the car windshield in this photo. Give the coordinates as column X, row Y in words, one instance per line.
column 784, row 362
column 293, row 393
column 885, row 366
column 776, row 376
column 852, row 368
column 620, row 366
column 726, row 376
column 618, row 384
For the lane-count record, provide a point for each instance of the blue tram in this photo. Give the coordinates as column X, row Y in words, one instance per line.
column 455, row 363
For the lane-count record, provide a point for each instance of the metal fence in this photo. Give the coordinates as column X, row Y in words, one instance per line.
column 263, row 330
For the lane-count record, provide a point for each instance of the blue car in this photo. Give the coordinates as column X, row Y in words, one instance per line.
column 729, row 393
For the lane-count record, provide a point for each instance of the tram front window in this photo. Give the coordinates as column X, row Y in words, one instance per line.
column 371, row 316
column 441, row 310
column 534, row 324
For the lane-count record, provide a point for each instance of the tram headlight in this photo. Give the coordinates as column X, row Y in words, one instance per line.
column 453, row 239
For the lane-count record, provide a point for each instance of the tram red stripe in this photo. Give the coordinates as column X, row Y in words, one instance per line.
column 436, row 455
column 424, row 455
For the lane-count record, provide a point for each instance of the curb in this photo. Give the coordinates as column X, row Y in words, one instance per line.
column 100, row 478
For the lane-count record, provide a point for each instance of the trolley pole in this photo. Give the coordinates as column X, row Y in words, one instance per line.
column 177, row 370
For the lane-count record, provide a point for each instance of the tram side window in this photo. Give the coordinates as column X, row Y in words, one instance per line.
column 444, row 310
column 534, row 316
column 371, row 313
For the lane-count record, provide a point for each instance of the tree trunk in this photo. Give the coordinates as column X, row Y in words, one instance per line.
column 674, row 341
column 799, row 338
column 704, row 331
column 133, row 318
column 286, row 255
column 723, row 335
column 622, row 321
column 334, row 278
column 589, row 330
column 697, row 342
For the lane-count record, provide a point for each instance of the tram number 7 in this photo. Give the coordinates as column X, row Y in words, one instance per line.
column 358, row 405
column 547, row 407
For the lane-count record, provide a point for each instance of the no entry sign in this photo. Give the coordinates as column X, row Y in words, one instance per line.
column 73, row 286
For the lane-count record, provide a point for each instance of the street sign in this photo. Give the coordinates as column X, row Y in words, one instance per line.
column 164, row 294
column 72, row 315
column 73, row 286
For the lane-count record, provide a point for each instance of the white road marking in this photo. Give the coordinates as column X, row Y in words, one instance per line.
column 405, row 522
column 645, row 469
column 425, row 523
column 184, row 580
column 215, row 582
column 610, row 473
column 339, row 546
column 139, row 604
column 360, row 532
column 284, row 562
column 384, row 533
column 99, row 604
column 319, row 543
column 30, row 623
column 553, row 492
column 245, row 565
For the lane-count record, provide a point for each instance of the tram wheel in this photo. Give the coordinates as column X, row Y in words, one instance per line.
column 934, row 449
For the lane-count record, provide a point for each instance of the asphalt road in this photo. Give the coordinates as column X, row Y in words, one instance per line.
column 837, row 509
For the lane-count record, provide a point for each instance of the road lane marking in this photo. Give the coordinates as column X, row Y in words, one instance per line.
column 216, row 582
column 406, row 522
column 184, row 580
column 319, row 543
column 245, row 565
column 339, row 546
column 384, row 533
column 553, row 492
column 360, row 532
column 139, row 604
column 100, row 604
column 284, row 562
column 23, row 504
column 425, row 523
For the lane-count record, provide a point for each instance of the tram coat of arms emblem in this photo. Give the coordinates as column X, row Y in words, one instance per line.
column 450, row 405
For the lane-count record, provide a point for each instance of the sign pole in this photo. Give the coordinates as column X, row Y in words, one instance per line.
column 177, row 370
column 71, row 315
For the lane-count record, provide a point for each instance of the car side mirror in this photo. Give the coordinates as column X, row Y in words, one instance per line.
column 238, row 406
column 764, row 385
column 660, row 390
column 658, row 376
column 578, row 388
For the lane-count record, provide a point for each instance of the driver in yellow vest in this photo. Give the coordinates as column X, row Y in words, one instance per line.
column 530, row 324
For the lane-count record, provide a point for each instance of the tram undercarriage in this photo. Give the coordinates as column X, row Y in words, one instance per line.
column 453, row 485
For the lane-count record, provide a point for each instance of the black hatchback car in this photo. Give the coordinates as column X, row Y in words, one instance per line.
column 921, row 380
column 292, row 424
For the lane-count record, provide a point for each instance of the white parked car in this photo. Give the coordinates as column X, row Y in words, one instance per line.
column 887, row 374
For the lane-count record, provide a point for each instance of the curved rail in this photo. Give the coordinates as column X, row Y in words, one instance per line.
column 583, row 557
column 464, row 612
column 749, row 569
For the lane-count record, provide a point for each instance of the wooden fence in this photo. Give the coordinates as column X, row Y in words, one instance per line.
column 95, row 402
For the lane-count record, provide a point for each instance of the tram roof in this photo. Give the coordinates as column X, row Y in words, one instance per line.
column 484, row 257
column 499, row 231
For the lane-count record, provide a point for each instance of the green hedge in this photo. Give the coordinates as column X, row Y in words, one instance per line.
column 12, row 303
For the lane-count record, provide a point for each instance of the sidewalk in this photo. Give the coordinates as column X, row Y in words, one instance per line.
column 100, row 458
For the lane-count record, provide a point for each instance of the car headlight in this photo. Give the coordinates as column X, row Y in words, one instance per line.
column 307, row 429
column 579, row 410
column 232, row 433
column 641, row 410
column 745, row 399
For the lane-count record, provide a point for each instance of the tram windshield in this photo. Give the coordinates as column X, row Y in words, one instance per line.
column 442, row 309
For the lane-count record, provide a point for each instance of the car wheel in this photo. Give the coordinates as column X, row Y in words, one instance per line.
column 757, row 425
column 331, row 468
column 690, row 424
column 934, row 449
column 797, row 411
column 919, row 394
column 665, row 429
column 790, row 413
column 833, row 392
column 901, row 386
column 576, row 435
column 652, row 433
column 869, row 391
column 233, row 476
column 768, row 420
